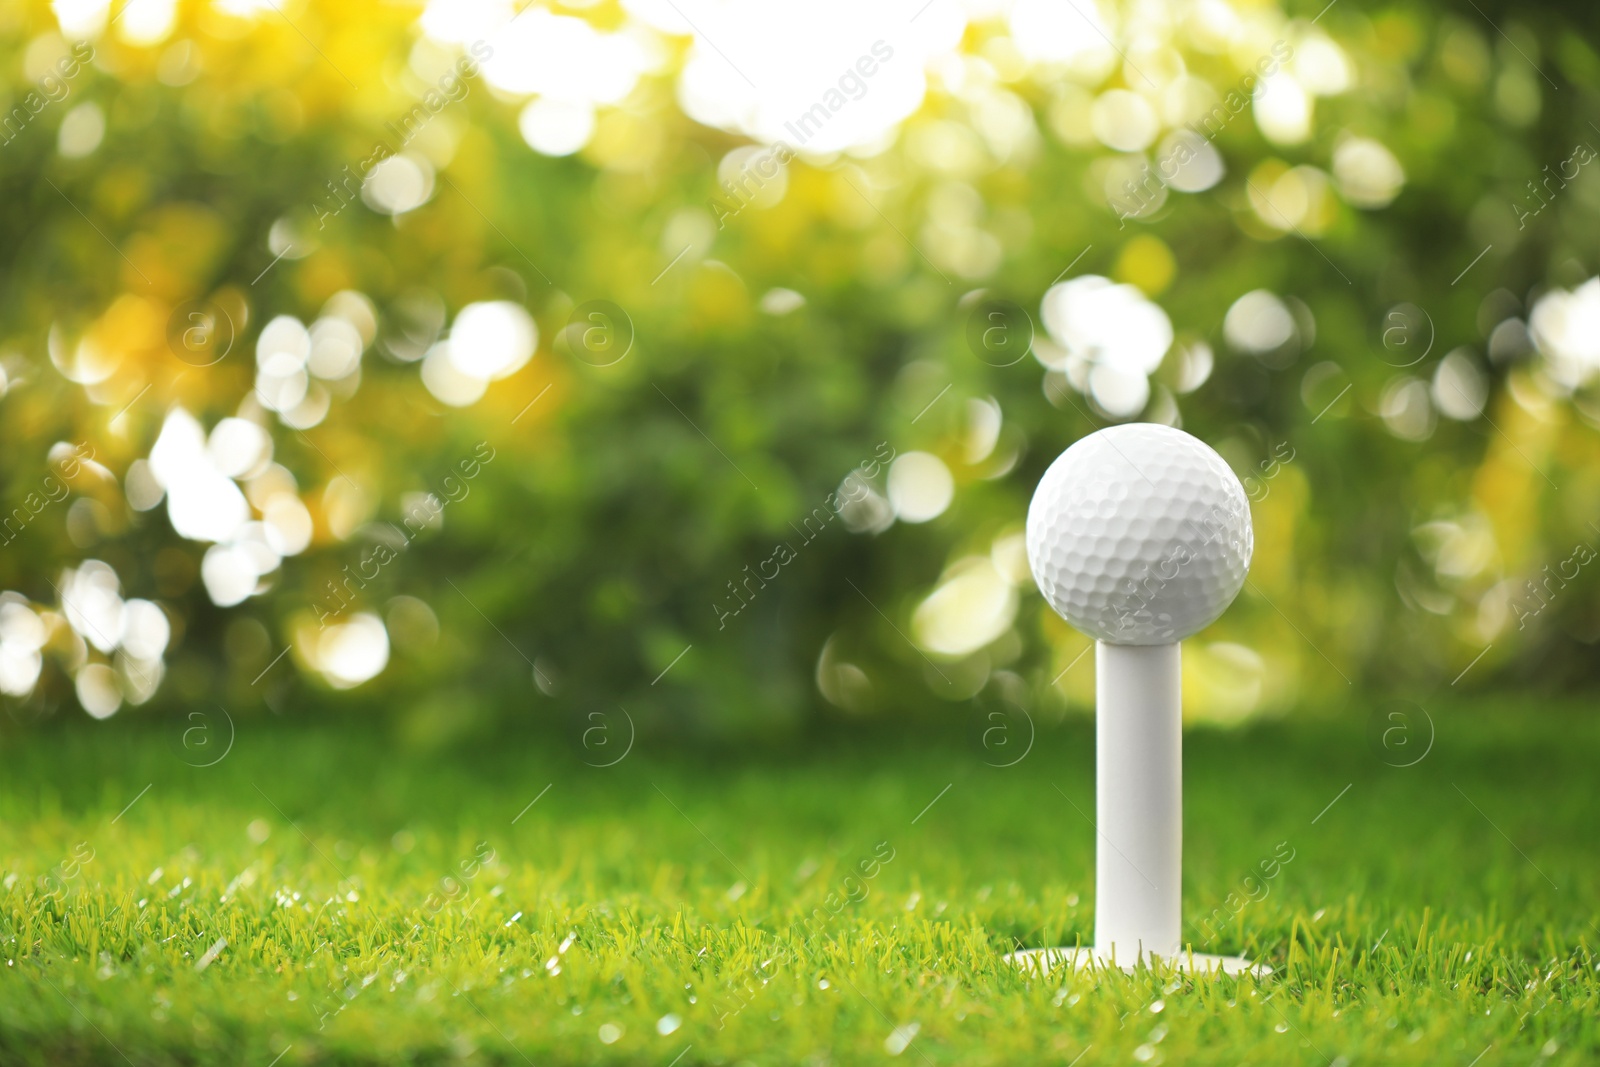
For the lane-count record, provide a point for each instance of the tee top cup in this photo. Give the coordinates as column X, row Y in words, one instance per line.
column 1139, row 536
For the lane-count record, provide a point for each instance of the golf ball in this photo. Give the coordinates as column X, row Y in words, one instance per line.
column 1139, row 535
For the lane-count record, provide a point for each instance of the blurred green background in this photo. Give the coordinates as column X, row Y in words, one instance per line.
column 691, row 366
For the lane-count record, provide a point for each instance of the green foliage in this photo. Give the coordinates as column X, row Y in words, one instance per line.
column 601, row 547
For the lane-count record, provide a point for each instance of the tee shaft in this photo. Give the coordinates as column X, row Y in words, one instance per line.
column 1138, row 800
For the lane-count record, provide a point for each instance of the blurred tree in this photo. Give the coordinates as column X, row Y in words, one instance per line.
column 494, row 353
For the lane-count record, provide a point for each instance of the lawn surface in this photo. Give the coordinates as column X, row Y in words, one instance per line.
column 321, row 896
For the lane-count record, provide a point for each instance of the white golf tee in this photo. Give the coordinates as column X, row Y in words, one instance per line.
column 1162, row 516
column 1138, row 801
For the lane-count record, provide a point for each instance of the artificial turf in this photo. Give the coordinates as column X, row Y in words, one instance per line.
column 321, row 895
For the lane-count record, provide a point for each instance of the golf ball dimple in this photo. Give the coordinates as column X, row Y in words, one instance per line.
column 1139, row 535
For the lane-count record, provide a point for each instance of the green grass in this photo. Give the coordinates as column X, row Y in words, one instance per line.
column 1443, row 913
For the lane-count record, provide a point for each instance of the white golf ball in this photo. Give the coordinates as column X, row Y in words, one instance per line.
column 1139, row 535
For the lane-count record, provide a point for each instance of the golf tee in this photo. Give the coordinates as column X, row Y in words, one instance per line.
column 1138, row 800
